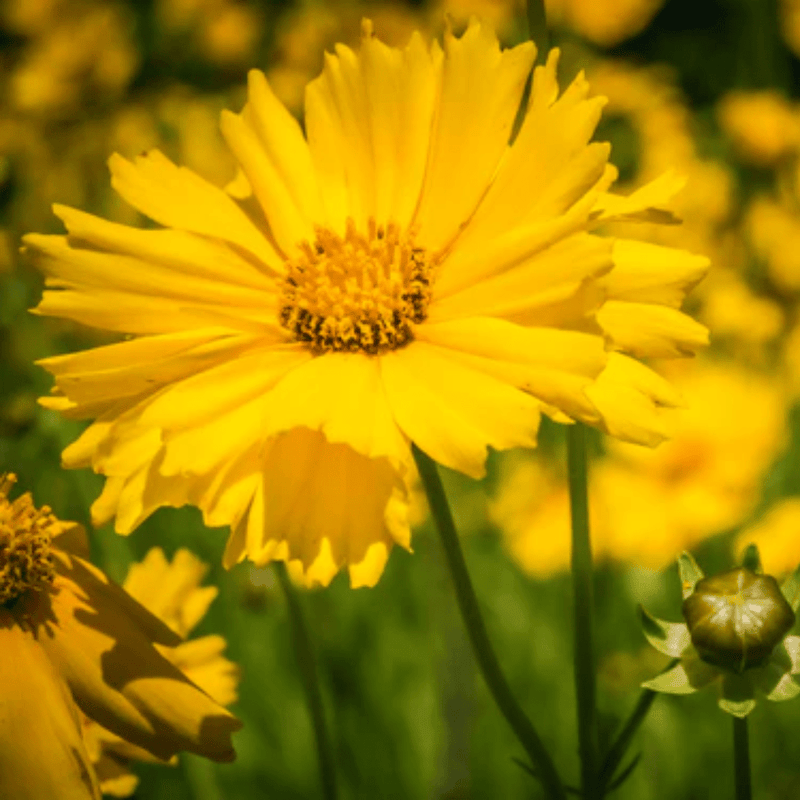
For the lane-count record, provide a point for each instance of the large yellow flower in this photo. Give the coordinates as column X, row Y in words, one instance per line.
column 402, row 273
column 171, row 591
column 71, row 639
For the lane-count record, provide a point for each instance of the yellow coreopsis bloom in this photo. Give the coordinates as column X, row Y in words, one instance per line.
column 648, row 505
column 171, row 591
column 71, row 639
column 401, row 273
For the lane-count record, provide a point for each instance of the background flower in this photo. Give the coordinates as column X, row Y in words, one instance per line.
column 74, row 640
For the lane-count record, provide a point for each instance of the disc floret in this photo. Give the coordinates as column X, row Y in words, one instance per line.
column 357, row 293
column 26, row 560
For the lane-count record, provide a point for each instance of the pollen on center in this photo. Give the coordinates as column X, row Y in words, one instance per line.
column 26, row 562
column 357, row 293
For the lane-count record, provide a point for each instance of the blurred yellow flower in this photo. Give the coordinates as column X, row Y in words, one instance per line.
column 171, row 591
column 776, row 536
column 83, row 54
column 649, row 505
column 773, row 229
column 71, row 638
column 762, row 126
column 604, row 22
column 401, row 275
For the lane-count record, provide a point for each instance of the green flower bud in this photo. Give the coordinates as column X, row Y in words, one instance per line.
column 737, row 618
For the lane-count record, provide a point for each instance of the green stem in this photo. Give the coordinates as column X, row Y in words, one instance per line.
column 583, row 608
column 620, row 746
column 476, row 629
column 741, row 759
column 308, row 674
column 201, row 777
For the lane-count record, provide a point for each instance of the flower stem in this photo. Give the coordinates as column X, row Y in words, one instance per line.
column 583, row 608
column 620, row 746
column 308, row 674
column 476, row 629
column 741, row 759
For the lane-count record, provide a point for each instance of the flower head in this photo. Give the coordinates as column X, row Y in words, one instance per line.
column 403, row 272
column 734, row 637
column 74, row 641
column 171, row 591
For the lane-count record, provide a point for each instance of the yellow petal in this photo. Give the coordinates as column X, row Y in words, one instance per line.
column 632, row 400
column 144, row 365
column 480, row 93
column 518, row 291
column 187, row 254
column 178, row 198
column 171, row 589
column 283, row 141
column 341, row 395
column 551, row 163
column 313, row 492
column 453, row 412
column 650, row 273
column 552, row 365
column 650, row 203
column 201, row 660
column 42, row 754
column 287, row 222
column 646, row 330
column 120, row 680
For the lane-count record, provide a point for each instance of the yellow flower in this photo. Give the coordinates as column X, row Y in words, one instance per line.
column 762, row 126
column 605, row 22
column 649, row 505
column 171, row 591
column 775, row 535
column 401, row 275
column 71, row 639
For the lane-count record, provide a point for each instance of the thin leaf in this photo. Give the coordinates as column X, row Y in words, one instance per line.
column 670, row 638
column 690, row 573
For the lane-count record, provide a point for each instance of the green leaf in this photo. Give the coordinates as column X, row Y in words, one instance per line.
column 785, row 689
column 690, row 573
column 738, row 694
column 791, row 589
column 752, row 560
column 738, row 708
column 670, row 638
column 684, row 678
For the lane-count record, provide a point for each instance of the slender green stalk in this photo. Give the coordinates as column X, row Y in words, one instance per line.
column 741, row 759
column 583, row 608
column 620, row 746
column 537, row 29
column 476, row 629
column 308, row 674
column 201, row 777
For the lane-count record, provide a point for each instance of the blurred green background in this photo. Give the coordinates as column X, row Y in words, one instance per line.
column 710, row 88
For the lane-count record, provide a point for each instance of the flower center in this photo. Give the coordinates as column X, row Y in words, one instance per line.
column 356, row 294
column 25, row 535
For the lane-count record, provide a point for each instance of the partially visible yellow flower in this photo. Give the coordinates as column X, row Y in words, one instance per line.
column 736, row 314
column 604, row 22
column 72, row 640
column 762, row 126
column 79, row 55
column 649, row 505
column 776, row 535
column 171, row 591
column 401, row 273
column 774, row 232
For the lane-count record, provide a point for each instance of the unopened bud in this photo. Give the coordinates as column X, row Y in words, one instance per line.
column 737, row 618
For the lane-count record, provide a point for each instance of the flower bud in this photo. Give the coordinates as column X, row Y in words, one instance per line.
column 737, row 618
